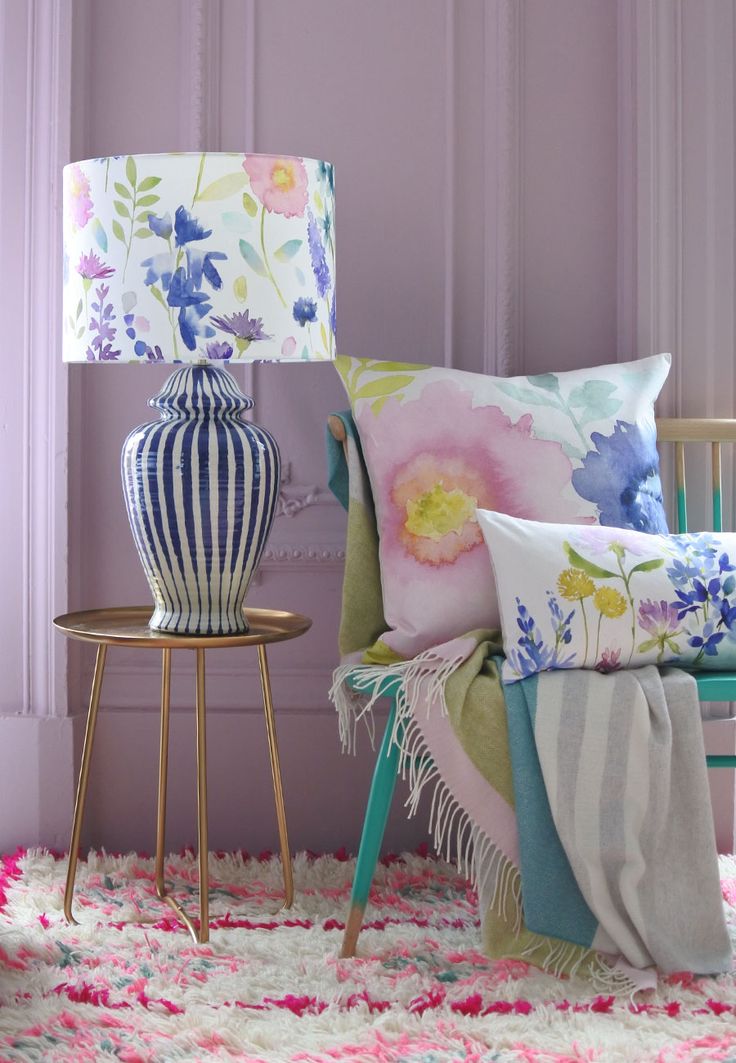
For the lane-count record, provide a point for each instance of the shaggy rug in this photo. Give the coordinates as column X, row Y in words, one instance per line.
column 128, row 984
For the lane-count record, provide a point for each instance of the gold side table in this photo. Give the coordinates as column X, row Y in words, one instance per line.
column 129, row 627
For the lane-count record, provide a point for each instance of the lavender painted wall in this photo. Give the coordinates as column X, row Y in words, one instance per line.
column 482, row 152
column 569, row 149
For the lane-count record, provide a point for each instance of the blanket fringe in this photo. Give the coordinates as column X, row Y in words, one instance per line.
column 356, row 689
column 354, row 692
column 564, row 957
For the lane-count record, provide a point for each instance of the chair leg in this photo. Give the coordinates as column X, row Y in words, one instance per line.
column 374, row 826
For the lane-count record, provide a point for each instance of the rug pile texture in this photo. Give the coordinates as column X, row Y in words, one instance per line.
column 128, row 983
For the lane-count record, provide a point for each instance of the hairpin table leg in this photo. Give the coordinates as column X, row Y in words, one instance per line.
column 204, row 879
column 163, row 772
column 278, row 790
column 89, row 738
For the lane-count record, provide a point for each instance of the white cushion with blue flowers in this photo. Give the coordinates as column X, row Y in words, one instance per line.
column 608, row 598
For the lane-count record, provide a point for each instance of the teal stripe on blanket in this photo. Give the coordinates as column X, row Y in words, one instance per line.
column 553, row 903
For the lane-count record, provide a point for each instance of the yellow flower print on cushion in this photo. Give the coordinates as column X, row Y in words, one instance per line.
column 609, row 602
column 573, row 584
column 437, row 498
column 438, row 512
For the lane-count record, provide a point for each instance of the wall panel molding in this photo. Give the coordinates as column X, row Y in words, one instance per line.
column 45, row 387
column 200, row 73
column 627, row 252
column 303, row 555
column 677, row 237
column 503, row 79
column 650, row 185
column 449, row 182
column 247, row 374
column 249, row 75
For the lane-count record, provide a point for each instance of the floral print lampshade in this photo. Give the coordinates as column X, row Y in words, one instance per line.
column 199, row 258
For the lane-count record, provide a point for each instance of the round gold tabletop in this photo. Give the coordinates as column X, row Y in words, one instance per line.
column 128, row 626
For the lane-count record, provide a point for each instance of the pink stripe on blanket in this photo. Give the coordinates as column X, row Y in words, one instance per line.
column 484, row 805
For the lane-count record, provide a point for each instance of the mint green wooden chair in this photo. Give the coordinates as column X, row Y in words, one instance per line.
column 712, row 686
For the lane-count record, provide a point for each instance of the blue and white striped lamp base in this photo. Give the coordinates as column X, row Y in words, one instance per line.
column 201, row 488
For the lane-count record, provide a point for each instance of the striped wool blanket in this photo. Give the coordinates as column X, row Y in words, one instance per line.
column 616, row 839
column 452, row 730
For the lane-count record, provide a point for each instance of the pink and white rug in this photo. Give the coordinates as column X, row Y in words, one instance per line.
column 128, row 984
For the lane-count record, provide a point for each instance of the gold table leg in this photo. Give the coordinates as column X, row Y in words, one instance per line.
column 163, row 772
column 79, row 803
column 278, row 791
column 163, row 766
column 204, row 877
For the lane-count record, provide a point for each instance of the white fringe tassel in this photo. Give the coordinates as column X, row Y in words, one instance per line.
column 421, row 681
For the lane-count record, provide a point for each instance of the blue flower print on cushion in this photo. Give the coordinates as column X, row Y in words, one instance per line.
column 533, row 656
column 621, row 476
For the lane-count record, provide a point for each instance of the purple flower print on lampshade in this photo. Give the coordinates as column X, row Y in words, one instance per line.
column 202, row 261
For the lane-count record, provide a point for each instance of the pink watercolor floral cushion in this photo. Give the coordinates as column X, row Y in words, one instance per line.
column 608, row 598
column 576, row 447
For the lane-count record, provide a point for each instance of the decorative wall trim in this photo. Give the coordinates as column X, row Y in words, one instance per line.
column 627, row 263
column 45, row 391
column 294, row 499
column 503, row 167
column 650, row 184
column 249, row 73
column 449, row 182
column 200, row 27
column 672, row 214
column 304, row 555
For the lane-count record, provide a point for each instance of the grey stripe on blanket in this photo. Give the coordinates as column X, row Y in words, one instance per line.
column 623, row 763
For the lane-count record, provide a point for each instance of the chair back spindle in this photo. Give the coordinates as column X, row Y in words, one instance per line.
column 716, row 485
column 681, row 486
column 682, row 430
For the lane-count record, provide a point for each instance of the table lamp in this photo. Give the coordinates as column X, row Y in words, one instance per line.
column 203, row 261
